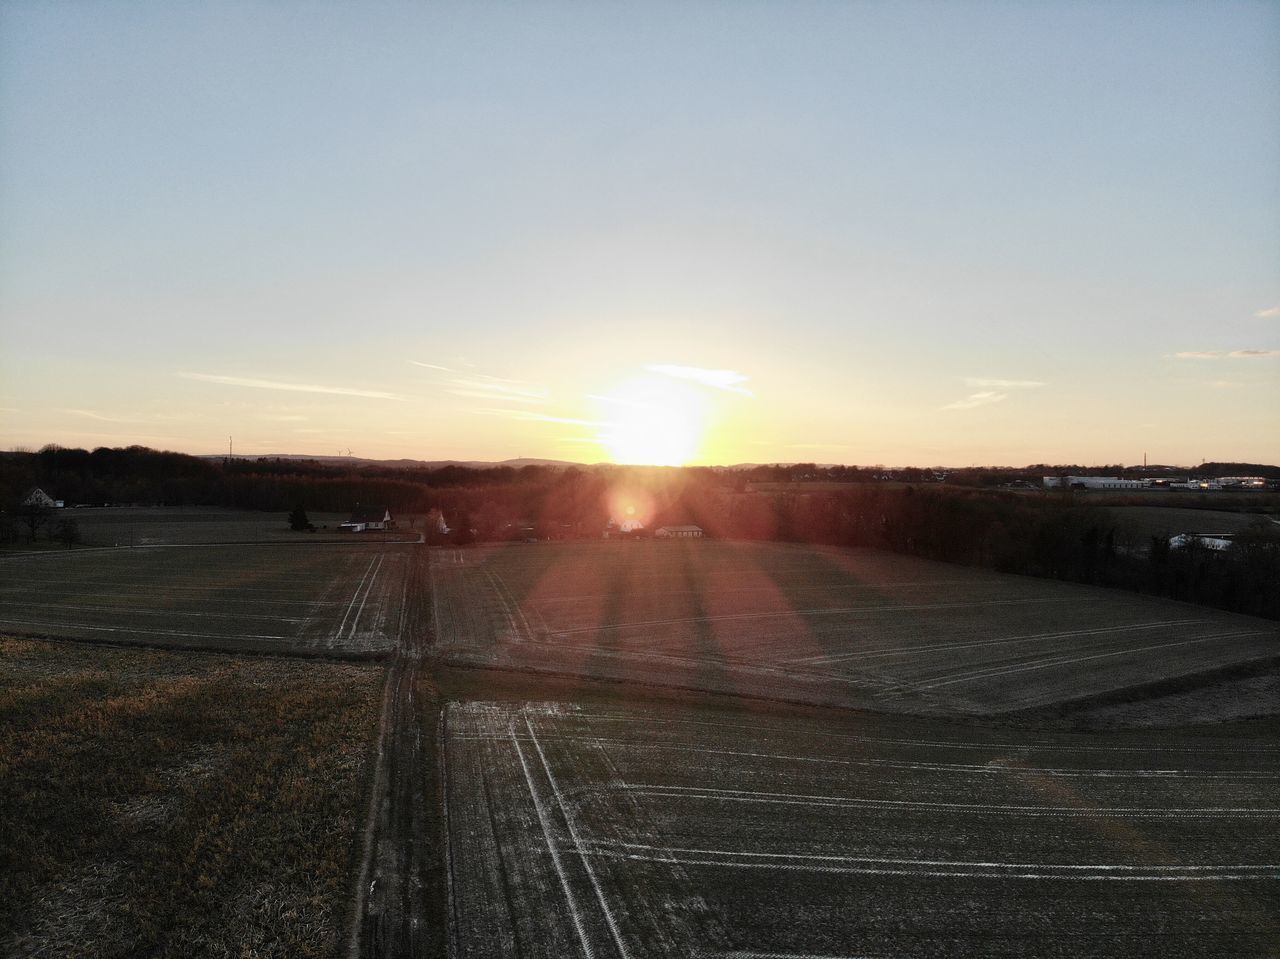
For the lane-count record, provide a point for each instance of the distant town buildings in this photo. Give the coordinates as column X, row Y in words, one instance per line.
column 678, row 532
column 1119, row 483
column 1092, row 482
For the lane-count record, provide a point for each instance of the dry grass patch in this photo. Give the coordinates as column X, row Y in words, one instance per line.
column 177, row 804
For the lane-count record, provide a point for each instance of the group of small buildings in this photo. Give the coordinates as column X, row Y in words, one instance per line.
column 633, row 529
column 372, row 519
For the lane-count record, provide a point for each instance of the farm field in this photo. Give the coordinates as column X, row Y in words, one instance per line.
column 843, row 627
column 630, row 831
column 177, row 803
column 1143, row 522
column 333, row 600
column 177, row 526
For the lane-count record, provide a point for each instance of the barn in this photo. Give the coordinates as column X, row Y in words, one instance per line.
column 368, row 519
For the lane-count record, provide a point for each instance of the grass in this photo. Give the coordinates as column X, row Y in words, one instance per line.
column 177, row 803
column 1143, row 522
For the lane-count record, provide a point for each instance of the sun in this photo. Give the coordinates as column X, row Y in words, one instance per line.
column 652, row 421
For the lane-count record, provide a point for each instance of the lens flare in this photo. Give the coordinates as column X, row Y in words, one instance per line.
column 629, row 508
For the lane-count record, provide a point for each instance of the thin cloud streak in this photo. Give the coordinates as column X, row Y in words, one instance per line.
column 989, row 391
column 485, row 390
column 482, row 386
column 529, row 416
column 100, row 417
column 257, row 384
column 977, row 399
column 1268, row 313
column 729, row 380
column 981, row 383
column 618, row 401
column 1224, row 355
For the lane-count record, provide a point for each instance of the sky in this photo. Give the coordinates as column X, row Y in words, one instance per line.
column 993, row 233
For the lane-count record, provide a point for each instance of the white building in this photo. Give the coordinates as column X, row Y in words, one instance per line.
column 1215, row 541
column 678, row 532
column 1092, row 482
column 39, row 498
column 366, row 520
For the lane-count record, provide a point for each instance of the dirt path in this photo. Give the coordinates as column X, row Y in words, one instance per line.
column 400, row 903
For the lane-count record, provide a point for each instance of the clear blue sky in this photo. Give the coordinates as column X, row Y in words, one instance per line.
column 909, row 233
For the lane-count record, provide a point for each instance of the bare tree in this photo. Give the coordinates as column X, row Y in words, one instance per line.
column 34, row 518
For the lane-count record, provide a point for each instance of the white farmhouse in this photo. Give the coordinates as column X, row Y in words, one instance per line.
column 367, row 519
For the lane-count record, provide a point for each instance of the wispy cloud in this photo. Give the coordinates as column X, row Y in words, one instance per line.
column 491, row 389
column 989, row 391
column 981, row 383
column 257, row 384
column 730, row 380
column 619, row 401
column 977, row 399
column 481, row 386
column 529, row 416
column 95, row 415
column 1224, row 354
column 1268, row 313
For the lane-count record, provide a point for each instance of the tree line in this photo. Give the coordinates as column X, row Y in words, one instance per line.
column 1059, row 536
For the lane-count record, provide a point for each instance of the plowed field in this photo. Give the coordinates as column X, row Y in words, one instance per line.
column 589, row 831
column 325, row 600
column 846, row 627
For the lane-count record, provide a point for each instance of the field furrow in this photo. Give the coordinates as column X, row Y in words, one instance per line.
column 698, row 833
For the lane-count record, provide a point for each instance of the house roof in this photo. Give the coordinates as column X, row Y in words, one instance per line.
column 683, row 529
column 370, row 514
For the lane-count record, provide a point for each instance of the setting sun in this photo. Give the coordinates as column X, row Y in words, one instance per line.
column 653, row 421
